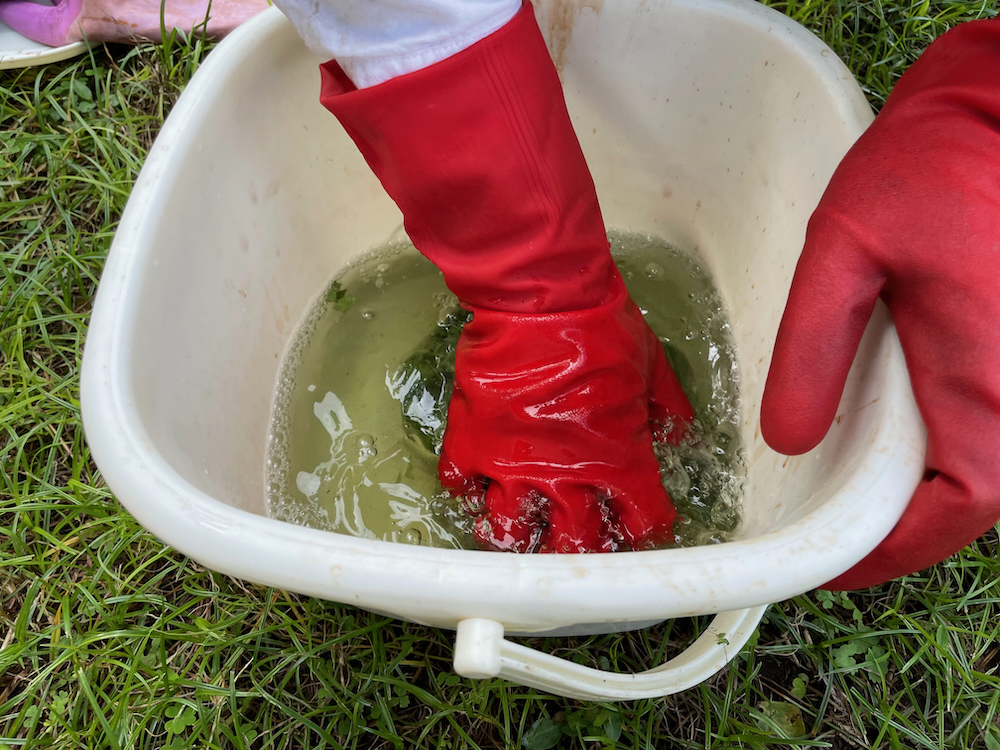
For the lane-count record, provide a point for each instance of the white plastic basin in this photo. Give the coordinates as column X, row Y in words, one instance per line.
column 714, row 124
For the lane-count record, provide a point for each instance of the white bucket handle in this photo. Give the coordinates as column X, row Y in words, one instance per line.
column 481, row 652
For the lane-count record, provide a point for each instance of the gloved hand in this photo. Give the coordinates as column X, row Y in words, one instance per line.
column 68, row 21
column 554, row 409
column 912, row 215
column 557, row 376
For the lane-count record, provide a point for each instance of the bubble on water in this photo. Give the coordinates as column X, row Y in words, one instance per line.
column 368, row 314
column 705, row 485
column 447, row 305
column 725, row 435
column 723, row 514
column 362, row 445
column 676, row 481
column 411, row 535
column 655, row 271
column 280, row 504
column 473, row 504
column 380, row 271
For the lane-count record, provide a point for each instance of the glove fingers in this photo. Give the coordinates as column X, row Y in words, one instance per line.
column 520, row 518
column 513, row 518
column 462, row 468
column 578, row 522
column 833, row 293
column 670, row 410
column 643, row 513
column 456, row 472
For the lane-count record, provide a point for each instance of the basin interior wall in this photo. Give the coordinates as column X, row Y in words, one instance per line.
column 707, row 134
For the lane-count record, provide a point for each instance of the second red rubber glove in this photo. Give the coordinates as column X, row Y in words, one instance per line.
column 912, row 215
column 559, row 382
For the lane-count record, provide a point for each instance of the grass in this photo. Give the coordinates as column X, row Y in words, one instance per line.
column 110, row 640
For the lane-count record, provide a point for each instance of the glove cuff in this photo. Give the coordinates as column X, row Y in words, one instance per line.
column 479, row 153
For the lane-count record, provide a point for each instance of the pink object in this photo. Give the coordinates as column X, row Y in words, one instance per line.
column 129, row 21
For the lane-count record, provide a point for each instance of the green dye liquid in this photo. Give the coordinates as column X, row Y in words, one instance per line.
column 362, row 399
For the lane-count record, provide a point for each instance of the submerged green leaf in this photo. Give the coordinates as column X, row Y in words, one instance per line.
column 423, row 383
column 337, row 296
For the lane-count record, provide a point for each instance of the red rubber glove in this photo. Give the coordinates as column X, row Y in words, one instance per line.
column 912, row 215
column 558, row 376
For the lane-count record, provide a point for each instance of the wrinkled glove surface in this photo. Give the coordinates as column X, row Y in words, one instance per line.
column 555, row 410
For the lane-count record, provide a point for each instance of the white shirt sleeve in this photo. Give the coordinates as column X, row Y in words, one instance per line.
column 375, row 40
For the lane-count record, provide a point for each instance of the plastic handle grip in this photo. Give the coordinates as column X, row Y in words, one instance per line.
column 482, row 652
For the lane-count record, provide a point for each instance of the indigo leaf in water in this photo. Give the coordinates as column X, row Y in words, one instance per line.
column 339, row 298
column 423, row 383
